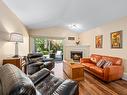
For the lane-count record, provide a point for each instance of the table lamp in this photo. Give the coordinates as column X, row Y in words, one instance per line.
column 17, row 38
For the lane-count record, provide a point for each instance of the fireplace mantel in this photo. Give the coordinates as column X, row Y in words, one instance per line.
column 69, row 48
column 77, row 45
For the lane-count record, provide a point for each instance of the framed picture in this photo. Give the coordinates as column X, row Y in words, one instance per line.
column 116, row 39
column 98, row 41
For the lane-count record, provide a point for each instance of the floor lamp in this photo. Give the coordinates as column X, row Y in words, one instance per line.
column 17, row 38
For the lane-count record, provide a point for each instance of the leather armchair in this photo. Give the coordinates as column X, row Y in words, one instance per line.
column 14, row 82
column 36, row 62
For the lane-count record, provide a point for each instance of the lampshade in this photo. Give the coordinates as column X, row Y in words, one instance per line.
column 16, row 37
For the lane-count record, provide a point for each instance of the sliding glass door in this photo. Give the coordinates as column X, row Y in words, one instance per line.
column 47, row 46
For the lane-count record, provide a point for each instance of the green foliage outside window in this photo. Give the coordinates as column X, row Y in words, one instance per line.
column 47, row 46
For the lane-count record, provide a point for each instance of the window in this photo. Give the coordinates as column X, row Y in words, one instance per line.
column 47, row 46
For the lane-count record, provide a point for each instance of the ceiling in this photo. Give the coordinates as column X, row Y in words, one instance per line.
column 36, row 14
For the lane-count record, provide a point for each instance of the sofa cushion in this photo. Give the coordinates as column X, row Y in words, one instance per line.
column 40, row 75
column 88, row 65
column 97, row 70
column 49, row 85
column 95, row 58
column 114, row 60
column 15, row 82
column 107, row 64
column 68, row 87
column 100, row 63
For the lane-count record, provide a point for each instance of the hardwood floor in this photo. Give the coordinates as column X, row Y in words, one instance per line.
column 91, row 85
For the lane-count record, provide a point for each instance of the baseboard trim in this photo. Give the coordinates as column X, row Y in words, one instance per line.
column 124, row 76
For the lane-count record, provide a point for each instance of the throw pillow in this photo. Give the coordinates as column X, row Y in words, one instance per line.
column 93, row 60
column 100, row 63
column 107, row 64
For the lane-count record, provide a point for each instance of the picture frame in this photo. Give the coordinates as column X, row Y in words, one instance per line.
column 99, row 41
column 116, row 39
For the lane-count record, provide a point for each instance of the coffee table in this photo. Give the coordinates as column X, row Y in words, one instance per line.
column 74, row 70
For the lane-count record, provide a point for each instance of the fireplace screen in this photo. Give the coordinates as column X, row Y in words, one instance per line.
column 76, row 55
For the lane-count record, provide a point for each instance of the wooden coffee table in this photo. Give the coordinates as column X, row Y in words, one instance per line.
column 74, row 71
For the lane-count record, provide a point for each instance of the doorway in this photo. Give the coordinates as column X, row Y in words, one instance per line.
column 49, row 47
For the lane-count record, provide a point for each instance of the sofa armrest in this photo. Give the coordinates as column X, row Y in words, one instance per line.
column 85, row 60
column 40, row 75
column 113, row 72
column 68, row 87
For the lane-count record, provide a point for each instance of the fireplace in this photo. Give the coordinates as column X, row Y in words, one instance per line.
column 76, row 55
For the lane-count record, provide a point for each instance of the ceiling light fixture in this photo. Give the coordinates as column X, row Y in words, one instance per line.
column 75, row 27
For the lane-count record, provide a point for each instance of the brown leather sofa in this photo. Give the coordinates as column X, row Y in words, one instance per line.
column 113, row 72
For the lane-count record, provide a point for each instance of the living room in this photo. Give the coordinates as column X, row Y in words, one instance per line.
column 98, row 23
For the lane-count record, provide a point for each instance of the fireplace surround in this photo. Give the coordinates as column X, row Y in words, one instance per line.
column 76, row 55
column 67, row 50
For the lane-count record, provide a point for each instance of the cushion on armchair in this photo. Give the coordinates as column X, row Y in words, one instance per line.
column 38, row 76
column 35, row 55
column 14, row 82
column 68, row 87
column 23, row 89
column 1, row 92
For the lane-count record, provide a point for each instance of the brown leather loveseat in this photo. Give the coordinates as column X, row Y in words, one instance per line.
column 110, row 73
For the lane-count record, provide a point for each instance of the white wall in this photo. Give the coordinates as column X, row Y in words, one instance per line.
column 10, row 23
column 56, row 32
column 88, row 37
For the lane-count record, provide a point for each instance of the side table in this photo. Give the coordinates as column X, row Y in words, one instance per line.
column 18, row 61
column 73, row 71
